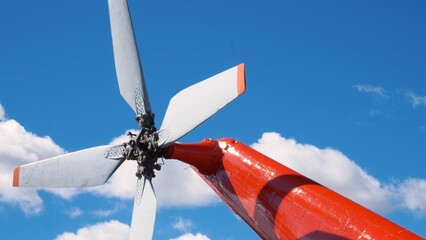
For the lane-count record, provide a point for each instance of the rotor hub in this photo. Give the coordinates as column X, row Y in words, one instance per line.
column 143, row 147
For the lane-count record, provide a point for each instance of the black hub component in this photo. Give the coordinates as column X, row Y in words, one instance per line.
column 143, row 147
column 146, row 121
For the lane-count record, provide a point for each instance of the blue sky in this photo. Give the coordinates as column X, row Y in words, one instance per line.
column 335, row 90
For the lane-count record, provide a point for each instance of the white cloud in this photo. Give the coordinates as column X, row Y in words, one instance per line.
column 412, row 195
column 190, row 236
column 17, row 147
column 371, row 89
column 2, row 113
column 183, row 225
column 75, row 212
column 65, row 193
column 334, row 170
column 108, row 212
column 175, row 181
column 415, row 100
column 112, row 230
column 180, row 183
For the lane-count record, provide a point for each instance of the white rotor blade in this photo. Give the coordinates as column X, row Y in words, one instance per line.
column 195, row 104
column 85, row 168
column 144, row 210
column 127, row 64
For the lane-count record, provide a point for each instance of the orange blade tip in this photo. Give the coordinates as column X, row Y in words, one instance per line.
column 241, row 79
column 16, row 176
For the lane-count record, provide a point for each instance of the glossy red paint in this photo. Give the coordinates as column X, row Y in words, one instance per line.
column 277, row 202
